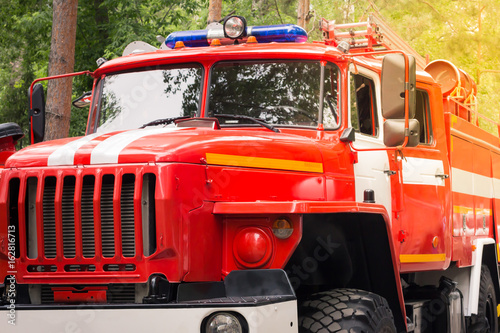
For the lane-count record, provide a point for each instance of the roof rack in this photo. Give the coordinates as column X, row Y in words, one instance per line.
column 373, row 34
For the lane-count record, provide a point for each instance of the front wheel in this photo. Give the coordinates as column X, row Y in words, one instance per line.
column 486, row 320
column 346, row 310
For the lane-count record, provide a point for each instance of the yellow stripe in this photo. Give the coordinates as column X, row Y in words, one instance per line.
column 408, row 258
column 261, row 162
column 462, row 210
column 483, row 211
column 498, row 253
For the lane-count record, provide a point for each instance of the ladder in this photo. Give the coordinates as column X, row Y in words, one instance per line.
column 371, row 35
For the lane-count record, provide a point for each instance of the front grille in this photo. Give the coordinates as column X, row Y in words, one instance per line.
column 79, row 217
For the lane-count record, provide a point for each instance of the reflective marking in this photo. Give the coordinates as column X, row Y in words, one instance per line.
column 470, row 183
column 462, row 210
column 65, row 155
column 410, row 258
column 261, row 162
column 109, row 150
column 422, row 171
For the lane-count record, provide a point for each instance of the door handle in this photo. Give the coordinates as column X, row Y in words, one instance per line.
column 442, row 175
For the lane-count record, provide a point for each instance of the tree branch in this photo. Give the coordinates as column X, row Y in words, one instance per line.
column 278, row 10
column 437, row 12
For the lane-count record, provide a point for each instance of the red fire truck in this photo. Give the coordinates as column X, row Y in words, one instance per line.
column 239, row 179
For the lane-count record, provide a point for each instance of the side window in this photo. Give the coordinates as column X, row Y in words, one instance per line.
column 422, row 114
column 363, row 105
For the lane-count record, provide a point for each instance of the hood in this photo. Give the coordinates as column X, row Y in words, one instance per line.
column 247, row 148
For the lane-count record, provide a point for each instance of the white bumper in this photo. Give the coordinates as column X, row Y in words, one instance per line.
column 276, row 317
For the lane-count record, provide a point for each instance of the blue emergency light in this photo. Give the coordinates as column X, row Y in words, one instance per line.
column 227, row 33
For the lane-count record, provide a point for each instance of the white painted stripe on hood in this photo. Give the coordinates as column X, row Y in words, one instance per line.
column 109, row 150
column 65, row 155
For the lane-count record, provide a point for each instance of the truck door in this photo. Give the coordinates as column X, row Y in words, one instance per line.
column 372, row 170
column 424, row 213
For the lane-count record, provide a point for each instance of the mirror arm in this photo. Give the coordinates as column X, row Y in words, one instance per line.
column 52, row 78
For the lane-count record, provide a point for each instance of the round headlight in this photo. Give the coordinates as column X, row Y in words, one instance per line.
column 223, row 322
column 235, row 27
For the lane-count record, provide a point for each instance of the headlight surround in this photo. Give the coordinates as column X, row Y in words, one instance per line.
column 223, row 322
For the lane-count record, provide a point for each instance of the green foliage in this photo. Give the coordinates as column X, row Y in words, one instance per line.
column 464, row 32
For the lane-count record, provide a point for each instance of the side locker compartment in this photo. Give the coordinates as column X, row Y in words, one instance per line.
column 462, row 186
column 483, row 190
column 495, row 161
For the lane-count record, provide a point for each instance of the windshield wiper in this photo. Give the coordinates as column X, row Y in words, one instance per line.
column 163, row 121
column 254, row 120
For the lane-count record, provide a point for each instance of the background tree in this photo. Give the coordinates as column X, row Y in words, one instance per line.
column 61, row 61
column 214, row 11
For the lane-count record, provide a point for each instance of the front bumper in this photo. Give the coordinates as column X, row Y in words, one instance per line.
column 273, row 315
column 263, row 299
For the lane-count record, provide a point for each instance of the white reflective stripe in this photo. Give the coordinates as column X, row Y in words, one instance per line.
column 470, row 183
column 483, row 186
column 65, row 155
column 422, row 171
column 109, row 150
column 462, row 181
column 496, row 188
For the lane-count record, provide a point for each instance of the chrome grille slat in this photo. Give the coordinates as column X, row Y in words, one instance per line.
column 87, row 211
column 127, row 215
column 107, row 221
column 49, row 217
column 68, row 217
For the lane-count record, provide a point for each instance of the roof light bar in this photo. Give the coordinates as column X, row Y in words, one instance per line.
column 264, row 34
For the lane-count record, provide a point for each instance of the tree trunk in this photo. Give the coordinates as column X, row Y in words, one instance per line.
column 303, row 13
column 214, row 11
column 61, row 61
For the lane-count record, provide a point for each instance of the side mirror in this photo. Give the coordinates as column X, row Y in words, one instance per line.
column 348, row 135
column 393, row 100
column 37, row 113
column 394, row 132
column 393, row 86
column 83, row 101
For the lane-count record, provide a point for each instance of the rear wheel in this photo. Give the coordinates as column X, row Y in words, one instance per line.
column 346, row 310
column 486, row 320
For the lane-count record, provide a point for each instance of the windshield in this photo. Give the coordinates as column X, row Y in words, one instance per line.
column 276, row 92
column 135, row 98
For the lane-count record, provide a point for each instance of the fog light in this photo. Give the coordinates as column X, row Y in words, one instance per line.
column 282, row 228
column 223, row 322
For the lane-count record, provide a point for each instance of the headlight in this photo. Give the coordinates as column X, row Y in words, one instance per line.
column 235, row 27
column 223, row 322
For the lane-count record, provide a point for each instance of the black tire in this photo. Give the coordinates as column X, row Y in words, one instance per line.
column 346, row 310
column 486, row 320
